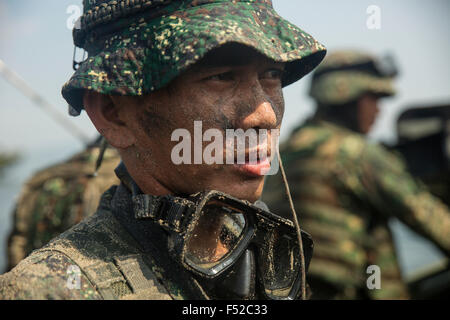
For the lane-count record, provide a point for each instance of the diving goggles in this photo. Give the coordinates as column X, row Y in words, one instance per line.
column 211, row 230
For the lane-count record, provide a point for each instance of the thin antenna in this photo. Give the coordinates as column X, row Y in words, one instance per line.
column 14, row 79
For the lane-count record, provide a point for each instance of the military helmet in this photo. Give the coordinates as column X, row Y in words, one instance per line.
column 345, row 75
column 136, row 47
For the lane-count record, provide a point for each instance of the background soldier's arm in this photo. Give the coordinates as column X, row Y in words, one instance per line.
column 393, row 191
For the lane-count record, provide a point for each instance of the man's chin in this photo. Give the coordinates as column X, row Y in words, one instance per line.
column 249, row 190
column 232, row 182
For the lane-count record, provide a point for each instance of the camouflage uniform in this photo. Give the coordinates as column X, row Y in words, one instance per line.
column 114, row 255
column 57, row 198
column 345, row 190
column 135, row 48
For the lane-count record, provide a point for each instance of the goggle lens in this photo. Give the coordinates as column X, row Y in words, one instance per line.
column 216, row 233
column 280, row 264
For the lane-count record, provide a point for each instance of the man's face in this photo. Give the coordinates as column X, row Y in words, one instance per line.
column 233, row 87
column 367, row 112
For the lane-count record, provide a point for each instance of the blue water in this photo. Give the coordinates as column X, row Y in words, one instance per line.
column 414, row 252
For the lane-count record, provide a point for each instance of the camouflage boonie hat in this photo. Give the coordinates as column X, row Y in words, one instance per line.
column 344, row 76
column 138, row 46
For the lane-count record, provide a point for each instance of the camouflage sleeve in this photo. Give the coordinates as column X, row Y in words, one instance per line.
column 46, row 276
column 393, row 191
column 17, row 243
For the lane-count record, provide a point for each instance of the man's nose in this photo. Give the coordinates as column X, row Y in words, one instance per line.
column 258, row 111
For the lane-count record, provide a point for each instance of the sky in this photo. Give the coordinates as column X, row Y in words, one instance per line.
column 36, row 42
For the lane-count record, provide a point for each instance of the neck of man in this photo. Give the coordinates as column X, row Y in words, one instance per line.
column 147, row 183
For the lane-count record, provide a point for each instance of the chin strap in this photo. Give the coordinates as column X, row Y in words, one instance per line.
column 101, row 154
column 297, row 227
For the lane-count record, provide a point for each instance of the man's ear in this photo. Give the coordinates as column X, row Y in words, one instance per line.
column 108, row 117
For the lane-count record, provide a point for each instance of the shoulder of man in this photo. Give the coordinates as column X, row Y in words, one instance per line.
column 46, row 276
column 325, row 140
column 316, row 155
column 95, row 259
column 379, row 157
column 358, row 161
column 76, row 172
column 67, row 182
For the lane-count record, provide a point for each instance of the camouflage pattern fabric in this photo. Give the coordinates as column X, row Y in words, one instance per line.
column 112, row 264
column 341, row 80
column 43, row 276
column 57, row 198
column 345, row 190
column 137, row 47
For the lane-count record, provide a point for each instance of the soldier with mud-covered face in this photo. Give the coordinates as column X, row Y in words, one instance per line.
column 233, row 87
column 173, row 230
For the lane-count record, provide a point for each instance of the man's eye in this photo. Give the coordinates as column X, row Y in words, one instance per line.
column 273, row 74
column 226, row 76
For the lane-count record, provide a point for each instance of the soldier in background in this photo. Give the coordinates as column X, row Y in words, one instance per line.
column 58, row 197
column 346, row 189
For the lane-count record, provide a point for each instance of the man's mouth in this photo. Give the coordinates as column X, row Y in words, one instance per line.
column 257, row 162
column 256, row 169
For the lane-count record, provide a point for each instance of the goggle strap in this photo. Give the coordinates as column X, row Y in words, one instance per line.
column 144, row 206
column 170, row 212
